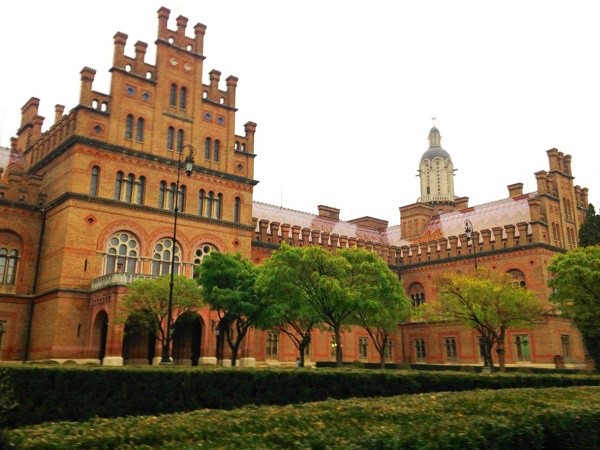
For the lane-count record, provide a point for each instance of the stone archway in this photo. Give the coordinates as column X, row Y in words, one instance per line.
column 99, row 335
column 187, row 333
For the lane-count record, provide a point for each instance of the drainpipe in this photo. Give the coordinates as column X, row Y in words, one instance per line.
column 35, row 288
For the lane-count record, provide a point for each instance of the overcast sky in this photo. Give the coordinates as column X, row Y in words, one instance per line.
column 343, row 92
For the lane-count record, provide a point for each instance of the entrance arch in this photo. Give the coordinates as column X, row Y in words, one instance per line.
column 138, row 346
column 99, row 334
column 187, row 333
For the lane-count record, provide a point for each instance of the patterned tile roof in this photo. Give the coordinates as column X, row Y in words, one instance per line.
column 485, row 216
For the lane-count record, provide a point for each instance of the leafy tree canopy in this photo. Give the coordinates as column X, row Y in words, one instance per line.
column 576, row 286
column 490, row 303
column 589, row 231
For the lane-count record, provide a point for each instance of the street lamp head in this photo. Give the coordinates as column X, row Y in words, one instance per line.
column 189, row 159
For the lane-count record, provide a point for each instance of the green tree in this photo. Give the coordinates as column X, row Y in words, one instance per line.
column 145, row 306
column 490, row 303
column 379, row 295
column 289, row 309
column 317, row 277
column 576, row 286
column 589, row 231
column 228, row 285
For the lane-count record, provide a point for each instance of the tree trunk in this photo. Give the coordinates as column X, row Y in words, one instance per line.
column 500, row 351
column 339, row 357
column 234, row 351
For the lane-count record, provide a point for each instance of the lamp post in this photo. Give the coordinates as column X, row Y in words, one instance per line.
column 189, row 167
column 469, row 233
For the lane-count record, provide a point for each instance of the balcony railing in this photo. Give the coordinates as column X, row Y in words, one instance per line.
column 117, row 279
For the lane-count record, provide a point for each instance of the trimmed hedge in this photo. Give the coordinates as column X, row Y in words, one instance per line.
column 480, row 419
column 79, row 393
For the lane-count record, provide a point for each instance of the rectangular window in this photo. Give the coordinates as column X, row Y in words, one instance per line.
column 565, row 343
column 522, row 352
column 450, row 346
column 420, row 351
column 271, row 351
column 388, row 351
column 363, row 345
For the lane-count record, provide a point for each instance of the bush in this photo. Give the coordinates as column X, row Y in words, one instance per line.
column 512, row 418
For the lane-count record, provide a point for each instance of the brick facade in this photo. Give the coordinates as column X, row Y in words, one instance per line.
column 102, row 177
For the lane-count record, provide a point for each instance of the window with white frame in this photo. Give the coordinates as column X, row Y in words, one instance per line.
column 162, row 257
column 363, row 345
column 272, row 345
column 451, row 349
column 420, row 350
column 122, row 253
column 522, row 351
column 388, row 350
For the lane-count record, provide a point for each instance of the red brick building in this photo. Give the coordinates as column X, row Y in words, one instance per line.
column 86, row 207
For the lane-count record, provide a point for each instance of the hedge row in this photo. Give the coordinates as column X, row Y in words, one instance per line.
column 77, row 393
column 486, row 419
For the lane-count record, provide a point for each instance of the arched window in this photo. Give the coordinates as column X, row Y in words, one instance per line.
column 129, row 127
column 518, row 276
column 218, row 202
column 179, row 140
column 118, row 185
column 129, row 181
column 417, row 294
column 141, row 191
column 161, row 257
column 171, row 199
column 209, row 204
column 201, row 199
column 201, row 252
column 181, row 198
column 207, row 143
column 122, row 253
column 217, row 150
column 237, row 210
column 173, row 95
column 182, row 98
column 95, row 179
column 170, row 138
column 139, row 131
column 8, row 266
column 161, row 194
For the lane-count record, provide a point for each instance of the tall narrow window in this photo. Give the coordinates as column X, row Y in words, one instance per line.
column 139, row 131
column 129, row 127
column 118, row 185
column 121, row 253
column 141, row 191
column 218, row 202
column 171, row 199
column 450, row 346
column 209, row 204
column 417, row 294
column 271, row 350
column 129, row 187
column 181, row 199
column 161, row 194
column 8, row 265
column 180, row 140
column 207, row 143
column 94, row 181
column 173, row 95
column 201, row 199
column 389, row 350
column 522, row 352
column 565, row 343
column 182, row 98
column 363, row 345
column 170, row 138
column 217, row 150
column 237, row 210
column 420, row 350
